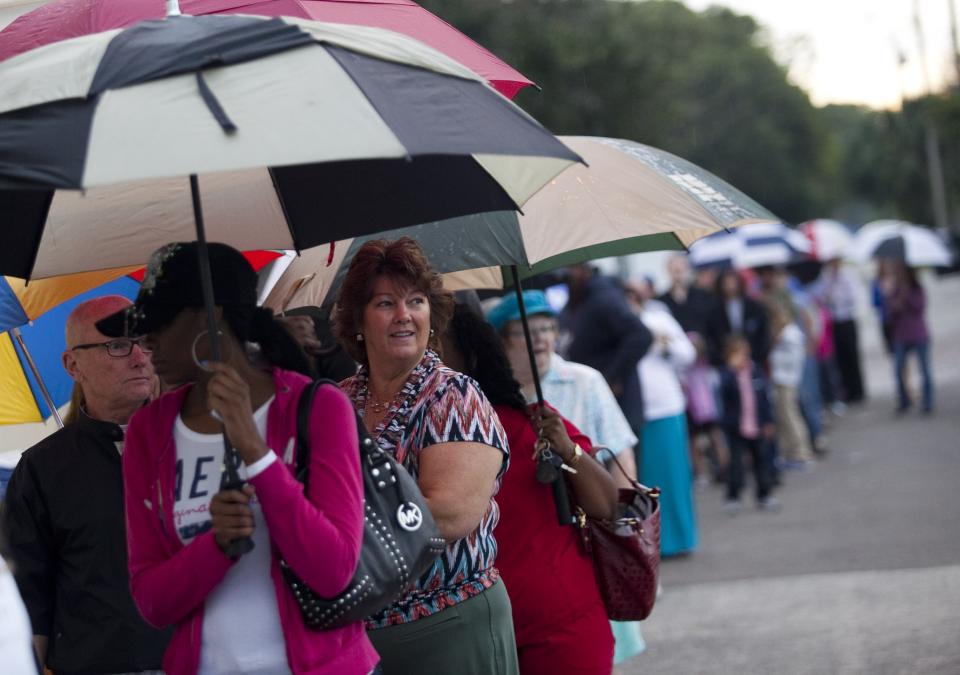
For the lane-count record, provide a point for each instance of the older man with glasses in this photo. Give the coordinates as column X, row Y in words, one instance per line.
column 64, row 512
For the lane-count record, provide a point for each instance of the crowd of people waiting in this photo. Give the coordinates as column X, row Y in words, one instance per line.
column 119, row 528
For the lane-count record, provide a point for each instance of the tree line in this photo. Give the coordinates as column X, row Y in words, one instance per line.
column 704, row 85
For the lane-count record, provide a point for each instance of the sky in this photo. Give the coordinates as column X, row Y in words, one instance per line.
column 840, row 51
column 845, row 51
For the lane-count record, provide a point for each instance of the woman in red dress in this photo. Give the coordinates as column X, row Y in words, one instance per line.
column 559, row 618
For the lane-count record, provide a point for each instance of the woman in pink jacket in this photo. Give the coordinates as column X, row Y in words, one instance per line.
column 235, row 615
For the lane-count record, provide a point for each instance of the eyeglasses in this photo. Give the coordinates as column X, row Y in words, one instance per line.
column 118, row 348
column 535, row 331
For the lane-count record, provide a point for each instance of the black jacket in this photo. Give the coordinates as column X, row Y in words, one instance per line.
column 730, row 399
column 64, row 522
column 756, row 329
column 694, row 314
column 608, row 336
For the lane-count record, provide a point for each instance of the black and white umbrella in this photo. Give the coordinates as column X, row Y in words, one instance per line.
column 354, row 130
column 108, row 140
column 899, row 240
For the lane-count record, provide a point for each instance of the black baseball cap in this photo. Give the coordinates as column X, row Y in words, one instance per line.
column 172, row 282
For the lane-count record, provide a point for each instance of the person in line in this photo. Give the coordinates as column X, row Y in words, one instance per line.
column 438, row 424
column 736, row 313
column 702, row 387
column 906, row 302
column 560, row 620
column 809, row 391
column 581, row 394
column 880, row 287
column 748, row 423
column 786, row 370
column 606, row 335
column 837, row 287
column 665, row 461
column 831, row 387
column 235, row 614
column 689, row 304
column 64, row 511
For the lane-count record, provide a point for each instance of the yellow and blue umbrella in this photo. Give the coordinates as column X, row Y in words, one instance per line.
column 33, row 382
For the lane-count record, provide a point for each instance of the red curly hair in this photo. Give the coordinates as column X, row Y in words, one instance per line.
column 402, row 260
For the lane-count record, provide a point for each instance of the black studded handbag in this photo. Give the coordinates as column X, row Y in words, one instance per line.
column 400, row 538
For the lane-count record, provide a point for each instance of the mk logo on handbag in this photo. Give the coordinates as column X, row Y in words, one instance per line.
column 409, row 516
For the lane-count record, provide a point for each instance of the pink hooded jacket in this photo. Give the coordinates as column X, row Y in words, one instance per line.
column 320, row 538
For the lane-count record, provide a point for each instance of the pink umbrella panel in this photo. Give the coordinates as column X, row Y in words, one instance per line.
column 63, row 19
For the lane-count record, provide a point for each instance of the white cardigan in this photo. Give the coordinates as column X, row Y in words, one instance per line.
column 661, row 366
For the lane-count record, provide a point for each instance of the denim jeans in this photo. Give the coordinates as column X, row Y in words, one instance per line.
column 811, row 403
column 900, row 352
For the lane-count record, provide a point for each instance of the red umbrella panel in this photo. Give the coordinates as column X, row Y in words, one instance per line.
column 64, row 19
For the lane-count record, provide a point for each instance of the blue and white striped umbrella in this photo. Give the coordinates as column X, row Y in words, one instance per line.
column 754, row 245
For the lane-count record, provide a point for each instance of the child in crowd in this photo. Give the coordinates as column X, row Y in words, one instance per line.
column 702, row 385
column 786, row 370
column 748, row 423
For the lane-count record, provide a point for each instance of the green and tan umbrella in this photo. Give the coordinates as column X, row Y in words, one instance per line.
column 629, row 198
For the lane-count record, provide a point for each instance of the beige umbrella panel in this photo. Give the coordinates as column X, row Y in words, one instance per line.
column 628, row 198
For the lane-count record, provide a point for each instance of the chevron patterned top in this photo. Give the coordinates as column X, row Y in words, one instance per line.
column 439, row 405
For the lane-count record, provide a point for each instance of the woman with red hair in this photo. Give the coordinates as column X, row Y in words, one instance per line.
column 439, row 425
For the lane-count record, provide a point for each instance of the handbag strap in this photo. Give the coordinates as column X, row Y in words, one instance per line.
column 304, row 405
column 302, row 470
column 637, row 485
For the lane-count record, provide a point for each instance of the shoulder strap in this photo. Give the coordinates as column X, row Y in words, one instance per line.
column 303, row 431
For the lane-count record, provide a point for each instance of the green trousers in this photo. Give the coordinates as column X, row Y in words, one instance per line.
column 474, row 637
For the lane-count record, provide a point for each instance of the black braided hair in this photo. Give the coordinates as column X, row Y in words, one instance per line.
column 257, row 324
column 485, row 358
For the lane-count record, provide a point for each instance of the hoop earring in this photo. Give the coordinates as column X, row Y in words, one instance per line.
column 359, row 337
column 193, row 350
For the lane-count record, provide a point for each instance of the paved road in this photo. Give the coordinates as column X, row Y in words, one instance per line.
column 860, row 572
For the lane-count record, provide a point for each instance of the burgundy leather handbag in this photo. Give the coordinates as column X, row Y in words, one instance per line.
column 626, row 552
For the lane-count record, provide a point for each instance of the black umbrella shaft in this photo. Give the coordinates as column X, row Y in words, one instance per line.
column 526, row 334
column 560, row 498
column 230, row 459
column 206, row 278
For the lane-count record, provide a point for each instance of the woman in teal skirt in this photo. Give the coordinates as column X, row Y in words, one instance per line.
column 663, row 456
column 665, row 462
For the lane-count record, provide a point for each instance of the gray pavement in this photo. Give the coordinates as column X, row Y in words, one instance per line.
column 860, row 571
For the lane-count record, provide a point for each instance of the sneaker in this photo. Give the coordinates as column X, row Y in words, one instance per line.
column 702, row 482
column 769, row 504
column 731, row 507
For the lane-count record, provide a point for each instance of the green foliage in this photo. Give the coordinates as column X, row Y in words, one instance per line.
column 704, row 86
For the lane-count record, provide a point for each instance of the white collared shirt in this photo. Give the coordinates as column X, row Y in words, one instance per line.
column 582, row 395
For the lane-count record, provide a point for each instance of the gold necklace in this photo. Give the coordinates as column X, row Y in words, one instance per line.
column 376, row 405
